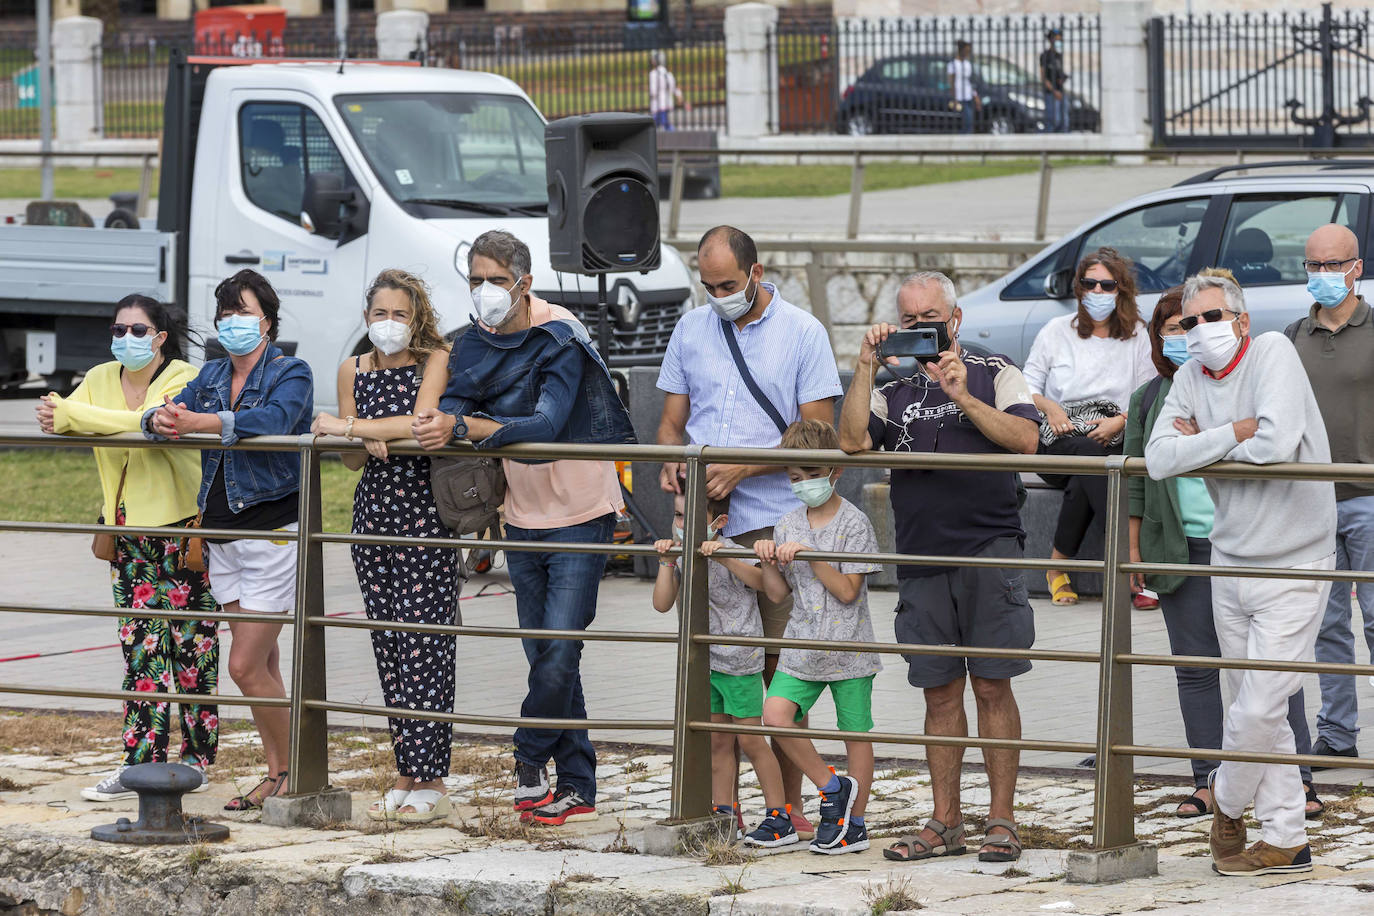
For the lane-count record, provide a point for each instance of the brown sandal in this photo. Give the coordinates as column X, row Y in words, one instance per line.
column 245, row 802
column 1010, row 842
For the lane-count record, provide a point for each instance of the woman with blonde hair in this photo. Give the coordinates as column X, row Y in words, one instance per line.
column 379, row 393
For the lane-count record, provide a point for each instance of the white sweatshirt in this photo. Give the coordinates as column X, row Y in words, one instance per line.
column 1258, row 522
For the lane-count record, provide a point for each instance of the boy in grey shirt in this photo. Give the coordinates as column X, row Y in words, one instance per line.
column 830, row 603
column 1240, row 399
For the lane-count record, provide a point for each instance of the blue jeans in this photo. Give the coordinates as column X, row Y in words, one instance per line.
column 1335, row 642
column 966, row 117
column 557, row 591
column 1056, row 114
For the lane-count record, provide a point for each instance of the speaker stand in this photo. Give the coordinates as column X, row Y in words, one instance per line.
column 603, row 320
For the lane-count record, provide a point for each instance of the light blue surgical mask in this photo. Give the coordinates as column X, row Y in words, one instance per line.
column 239, row 334
column 1100, row 305
column 678, row 534
column 133, row 352
column 712, row 532
column 1175, row 348
column 814, row 492
column 1328, row 288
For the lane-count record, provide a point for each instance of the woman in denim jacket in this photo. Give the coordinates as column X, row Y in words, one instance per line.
column 526, row 372
column 255, row 391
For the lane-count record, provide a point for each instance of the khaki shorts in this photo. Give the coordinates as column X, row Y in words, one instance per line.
column 775, row 615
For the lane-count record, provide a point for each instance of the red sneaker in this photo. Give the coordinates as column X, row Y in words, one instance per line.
column 1143, row 602
column 567, row 805
column 804, row 828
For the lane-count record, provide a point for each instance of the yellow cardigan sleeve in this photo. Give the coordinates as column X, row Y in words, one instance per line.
column 77, row 414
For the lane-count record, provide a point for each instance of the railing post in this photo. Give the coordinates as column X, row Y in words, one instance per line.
column 856, row 193
column 1042, row 206
column 1115, row 855
column 691, row 788
column 816, row 293
column 675, row 194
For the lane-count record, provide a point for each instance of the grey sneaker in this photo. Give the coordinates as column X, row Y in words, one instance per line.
column 204, row 779
column 531, row 787
column 109, row 789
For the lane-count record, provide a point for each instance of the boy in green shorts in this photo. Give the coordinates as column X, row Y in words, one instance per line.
column 830, row 603
column 736, row 673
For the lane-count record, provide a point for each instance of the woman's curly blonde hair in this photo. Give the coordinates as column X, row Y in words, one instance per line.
column 424, row 325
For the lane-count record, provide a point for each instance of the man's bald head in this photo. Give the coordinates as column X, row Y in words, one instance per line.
column 1332, row 242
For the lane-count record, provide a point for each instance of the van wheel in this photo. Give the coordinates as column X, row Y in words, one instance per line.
column 120, row 218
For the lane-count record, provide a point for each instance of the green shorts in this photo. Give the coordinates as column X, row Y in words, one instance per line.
column 853, row 698
column 739, row 696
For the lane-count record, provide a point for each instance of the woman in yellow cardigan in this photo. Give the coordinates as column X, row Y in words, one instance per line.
column 148, row 487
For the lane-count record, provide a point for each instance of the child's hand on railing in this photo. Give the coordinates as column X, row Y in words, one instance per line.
column 710, row 547
column 663, row 545
column 766, row 551
column 788, row 552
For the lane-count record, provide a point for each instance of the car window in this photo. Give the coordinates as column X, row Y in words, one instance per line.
column 1031, row 284
column 279, row 145
column 937, row 74
column 996, row 71
column 1159, row 238
column 1265, row 234
column 899, row 70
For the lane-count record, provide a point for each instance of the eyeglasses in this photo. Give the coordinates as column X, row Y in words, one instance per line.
column 1318, row 266
column 138, row 330
column 1108, row 286
column 1210, row 316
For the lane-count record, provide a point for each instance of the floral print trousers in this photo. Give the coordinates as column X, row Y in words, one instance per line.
column 165, row 655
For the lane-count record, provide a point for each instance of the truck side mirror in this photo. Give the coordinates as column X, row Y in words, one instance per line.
column 1058, row 283
column 332, row 210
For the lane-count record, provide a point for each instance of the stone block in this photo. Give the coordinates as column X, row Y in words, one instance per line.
column 684, row 838
column 328, row 806
column 1106, row 866
column 847, row 302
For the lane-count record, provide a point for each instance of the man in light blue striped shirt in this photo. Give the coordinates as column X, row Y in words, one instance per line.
column 787, row 351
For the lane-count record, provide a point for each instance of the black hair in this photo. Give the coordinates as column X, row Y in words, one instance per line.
column 229, row 297
column 1052, row 34
column 962, row 44
column 162, row 316
column 740, row 244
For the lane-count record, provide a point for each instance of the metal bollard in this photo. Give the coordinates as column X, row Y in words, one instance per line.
column 160, row 820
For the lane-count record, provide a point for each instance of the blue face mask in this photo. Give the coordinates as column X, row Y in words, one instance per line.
column 133, row 352
column 239, row 334
column 813, row 492
column 1175, row 348
column 1099, row 305
column 1328, row 288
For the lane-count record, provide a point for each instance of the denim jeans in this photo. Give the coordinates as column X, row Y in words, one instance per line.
column 557, row 591
column 1335, row 642
column 1056, row 114
column 966, row 115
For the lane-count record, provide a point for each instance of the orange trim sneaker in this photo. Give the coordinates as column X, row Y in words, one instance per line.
column 1263, row 859
column 855, row 839
column 776, row 830
column 835, row 809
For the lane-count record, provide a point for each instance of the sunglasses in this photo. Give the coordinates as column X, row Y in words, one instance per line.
column 1108, row 286
column 138, row 330
column 1211, row 315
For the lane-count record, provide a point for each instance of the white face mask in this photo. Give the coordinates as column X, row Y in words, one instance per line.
column 389, row 336
column 735, row 305
column 495, row 304
column 1099, row 306
column 1213, row 344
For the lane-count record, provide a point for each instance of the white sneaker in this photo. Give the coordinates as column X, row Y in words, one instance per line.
column 109, row 789
column 204, row 779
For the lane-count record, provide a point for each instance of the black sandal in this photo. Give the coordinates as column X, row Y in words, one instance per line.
column 1312, row 797
column 241, row 803
column 1202, row 808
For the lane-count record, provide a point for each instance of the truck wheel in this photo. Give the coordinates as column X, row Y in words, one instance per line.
column 120, row 218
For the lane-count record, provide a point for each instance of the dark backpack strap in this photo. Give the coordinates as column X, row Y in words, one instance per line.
column 728, row 329
column 1147, row 400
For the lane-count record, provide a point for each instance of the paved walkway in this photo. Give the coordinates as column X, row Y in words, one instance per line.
column 1058, row 700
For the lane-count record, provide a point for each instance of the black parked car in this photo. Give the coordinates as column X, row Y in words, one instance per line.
column 910, row 94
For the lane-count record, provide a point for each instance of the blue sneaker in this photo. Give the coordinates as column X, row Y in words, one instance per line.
column 835, row 809
column 739, row 818
column 776, row 830
column 855, row 840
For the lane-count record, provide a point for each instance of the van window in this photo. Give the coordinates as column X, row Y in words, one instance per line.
column 279, row 145
column 1159, row 238
column 1031, row 284
column 1265, row 234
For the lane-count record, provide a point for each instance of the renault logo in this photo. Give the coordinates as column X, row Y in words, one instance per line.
column 627, row 307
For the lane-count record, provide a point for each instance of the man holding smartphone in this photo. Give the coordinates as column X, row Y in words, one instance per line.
column 956, row 402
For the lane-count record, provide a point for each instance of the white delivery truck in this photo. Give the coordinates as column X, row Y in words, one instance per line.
column 319, row 175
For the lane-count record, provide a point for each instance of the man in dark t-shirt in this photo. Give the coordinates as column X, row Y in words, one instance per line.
column 956, row 403
column 1052, row 79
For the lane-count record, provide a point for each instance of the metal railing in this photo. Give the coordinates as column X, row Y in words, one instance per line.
column 1113, row 741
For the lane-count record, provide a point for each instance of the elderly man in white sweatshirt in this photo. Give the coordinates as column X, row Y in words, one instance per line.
column 1244, row 399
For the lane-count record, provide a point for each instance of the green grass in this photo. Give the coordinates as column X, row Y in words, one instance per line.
column 73, row 183
column 751, row 180
column 60, row 485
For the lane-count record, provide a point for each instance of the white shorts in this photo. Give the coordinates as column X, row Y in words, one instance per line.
column 259, row 575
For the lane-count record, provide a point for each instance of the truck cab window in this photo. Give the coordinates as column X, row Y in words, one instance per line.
column 279, row 145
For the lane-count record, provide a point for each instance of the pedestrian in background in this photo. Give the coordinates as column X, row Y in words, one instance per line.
column 1171, row 522
column 736, row 375
column 254, row 391
column 961, row 89
column 1243, row 399
column 150, row 487
column 663, row 92
column 379, row 394
column 1082, row 370
column 1336, row 345
column 1052, row 80
column 532, row 364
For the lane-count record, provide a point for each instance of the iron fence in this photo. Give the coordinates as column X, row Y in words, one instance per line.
column 1296, row 78
column 1113, row 743
column 863, row 77
column 18, row 87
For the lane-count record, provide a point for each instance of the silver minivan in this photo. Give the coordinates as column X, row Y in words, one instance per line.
column 1255, row 225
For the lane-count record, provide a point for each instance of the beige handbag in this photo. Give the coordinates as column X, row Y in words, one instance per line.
column 102, row 544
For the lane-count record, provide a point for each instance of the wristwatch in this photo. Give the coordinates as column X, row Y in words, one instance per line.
column 460, row 429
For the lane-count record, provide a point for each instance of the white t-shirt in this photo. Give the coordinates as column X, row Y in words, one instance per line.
column 962, row 71
column 662, row 90
column 1067, row 368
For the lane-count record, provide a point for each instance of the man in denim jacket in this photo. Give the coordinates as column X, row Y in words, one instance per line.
column 525, row 371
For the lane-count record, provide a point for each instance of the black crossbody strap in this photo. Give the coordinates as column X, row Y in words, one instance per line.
column 728, row 329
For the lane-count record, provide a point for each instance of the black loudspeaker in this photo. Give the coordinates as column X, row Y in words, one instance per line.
column 603, row 193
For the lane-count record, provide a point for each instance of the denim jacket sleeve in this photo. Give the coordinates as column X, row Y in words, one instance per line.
column 559, row 384
column 283, row 405
column 185, row 397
